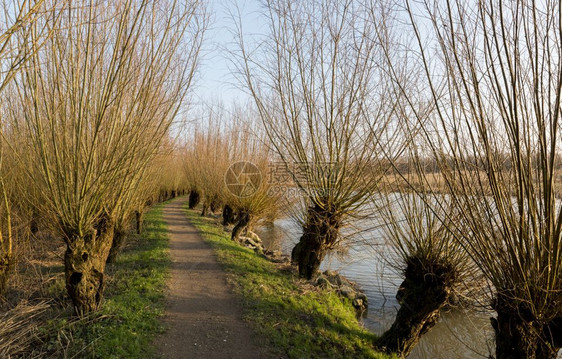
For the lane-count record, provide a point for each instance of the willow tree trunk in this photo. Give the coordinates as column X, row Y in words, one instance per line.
column 205, row 208
column 320, row 233
column 519, row 335
column 33, row 224
column 215, row 205
column 6, row 245
column 117, row 244
column 84, row 266
column 194, row 199
column 422, row 295
column 5, row 266
column 138, row 221
column 241, row 226
column 228, row 215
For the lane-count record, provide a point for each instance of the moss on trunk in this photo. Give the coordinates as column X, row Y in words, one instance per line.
column 242, row 223
column 320, row 234
column 84, row 264
column 422, row 295
column 194, row 199
column 519, row 334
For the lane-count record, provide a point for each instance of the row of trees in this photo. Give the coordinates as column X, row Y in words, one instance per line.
column 226, row 162
column 342, row 90
column 343, row 87
column 86, row 114
column 332, row 118
column 493, row 74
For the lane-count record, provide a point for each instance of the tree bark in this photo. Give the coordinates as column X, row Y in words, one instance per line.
column 117, row 244
column 320, row 233
column 242, row 223
column 5, row 266
column 84, row 264
column 520, row 335
column 33, row 225
column 422, row 295
column 228, row 215
column 138, row 220
column 194, row 199
column 205, row 208
column 215, row 205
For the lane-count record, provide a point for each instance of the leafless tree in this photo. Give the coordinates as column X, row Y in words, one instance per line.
column 250, row 192
column 324, row 100
column 493, row 74
column 97, row 100
column 16, row 19
column 437, row 272
column 227, row 161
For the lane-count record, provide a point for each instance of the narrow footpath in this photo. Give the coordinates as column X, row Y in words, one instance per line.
column 203, row 317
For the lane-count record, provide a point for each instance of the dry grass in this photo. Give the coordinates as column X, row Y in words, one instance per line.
column 35, row 295
column 433, row 183
column 436, row 183
column 36, row 300
column 38, row 271
column 19, row 328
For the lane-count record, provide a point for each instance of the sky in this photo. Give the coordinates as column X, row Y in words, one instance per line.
column 216, row 82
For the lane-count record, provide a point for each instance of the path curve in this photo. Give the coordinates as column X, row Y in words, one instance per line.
column 203, row 317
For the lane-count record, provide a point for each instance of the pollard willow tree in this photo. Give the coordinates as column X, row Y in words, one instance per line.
column 437, row 273
column 249, row 194
column 130, row 207
column 97, row 100
column 323, row 99
column 493, row 71
column 16, row 18
column 209, row 160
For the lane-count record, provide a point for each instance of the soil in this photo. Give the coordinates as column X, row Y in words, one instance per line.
column 203, row 316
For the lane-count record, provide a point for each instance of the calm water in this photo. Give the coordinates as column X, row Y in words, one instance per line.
column 459, row 334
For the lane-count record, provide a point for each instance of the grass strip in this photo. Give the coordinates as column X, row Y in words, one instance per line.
column 294, row 318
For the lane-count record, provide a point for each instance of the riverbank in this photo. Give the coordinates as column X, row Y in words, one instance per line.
column 296, row 319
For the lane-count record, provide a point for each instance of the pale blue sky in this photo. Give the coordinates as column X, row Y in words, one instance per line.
column 216, row 82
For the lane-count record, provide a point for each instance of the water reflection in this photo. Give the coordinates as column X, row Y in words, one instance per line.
column 459, row 333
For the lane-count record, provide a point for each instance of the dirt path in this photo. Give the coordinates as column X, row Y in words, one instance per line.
column 203, row 317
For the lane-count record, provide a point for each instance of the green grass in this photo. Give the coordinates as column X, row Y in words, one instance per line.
column 294, row 318
column 126, row 325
